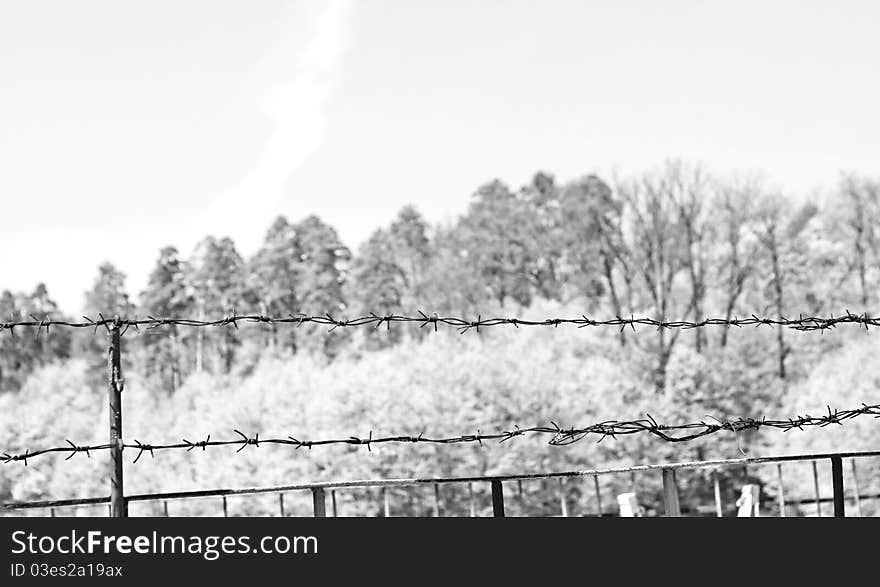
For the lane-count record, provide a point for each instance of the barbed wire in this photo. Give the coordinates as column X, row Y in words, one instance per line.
column 559, row 436
column 801, row 322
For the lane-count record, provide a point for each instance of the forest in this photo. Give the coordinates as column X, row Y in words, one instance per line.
column 674, row 242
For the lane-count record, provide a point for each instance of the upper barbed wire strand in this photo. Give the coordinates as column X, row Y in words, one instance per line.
column 801, row 322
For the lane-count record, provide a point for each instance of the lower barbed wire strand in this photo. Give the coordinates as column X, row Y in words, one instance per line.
column 559, row 436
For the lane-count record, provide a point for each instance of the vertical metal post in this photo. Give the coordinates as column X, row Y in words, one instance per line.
column 837, row 485
column 670, row 494
column 816, row 489
column 473, row 508
column 719, row 511
column 497, row 499
column 225, row 510
column 856, row 489
column 52, row 512
column 319, row 502
column 436, row 500
column 114, row 388
column 165, row 508
column 632, row 481
column 520, row 500
column 598, row 495
column 386, row 505
column 563, row 506
column 781, row 494
column 333, row 500
column 281, row 503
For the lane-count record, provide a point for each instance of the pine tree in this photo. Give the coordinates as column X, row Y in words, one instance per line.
column 108, row 298
column 165, row 296
column 216, row 279
column 378, row 284
column 20, row 355
column 499, row 244
column 275, row 274
column 409, row 249
column 322, row 269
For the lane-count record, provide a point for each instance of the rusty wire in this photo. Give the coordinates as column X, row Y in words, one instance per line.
column 559, row 436
column 801, row 322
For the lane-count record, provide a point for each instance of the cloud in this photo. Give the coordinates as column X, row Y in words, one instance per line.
column 294, row 101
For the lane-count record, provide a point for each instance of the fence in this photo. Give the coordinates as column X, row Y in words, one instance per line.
column 118, row 501
column 668, row 473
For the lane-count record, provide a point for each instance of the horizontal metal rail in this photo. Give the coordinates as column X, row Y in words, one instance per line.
column 415, row 481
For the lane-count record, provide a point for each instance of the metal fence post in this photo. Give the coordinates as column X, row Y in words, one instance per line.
column 497, row 499
column 719, row 510
column 333, row 500
column 598, row 495
column 385, row 504
column 781, row 490
column 114, row 388
column 471, row 506
column 319, row 502
column 281, row 503
column 563, row 506
column 436, row 500
column 670, row 494
column 837, row 484
column 856, row 489
column 816, row 489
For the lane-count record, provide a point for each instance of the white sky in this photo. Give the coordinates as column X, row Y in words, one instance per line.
column 128, row 126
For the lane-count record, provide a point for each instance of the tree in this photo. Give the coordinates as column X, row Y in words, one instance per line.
column 322, row 265
column 410, row 249
column 166, row 295
column 690, row 194
column 108, row 298
column 657, row 255
column 275, row 273
column 498, row 244
column 735, row 205
column 378, row 284
column 589, row 221
column 614, row 255
column 21, row 355
column 778, row 235
column 451, row 284
column 544, row 224
column 217, row 285
column 108, row 295
column 858, row 218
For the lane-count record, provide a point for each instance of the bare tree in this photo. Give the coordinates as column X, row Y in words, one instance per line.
column 657, row 252
column 862, row 204
column 770, row 233
column 735, row 203
column 689, row 189
column 614, row 258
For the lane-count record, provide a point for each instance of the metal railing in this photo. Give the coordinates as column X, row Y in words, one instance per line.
column 668, row 473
